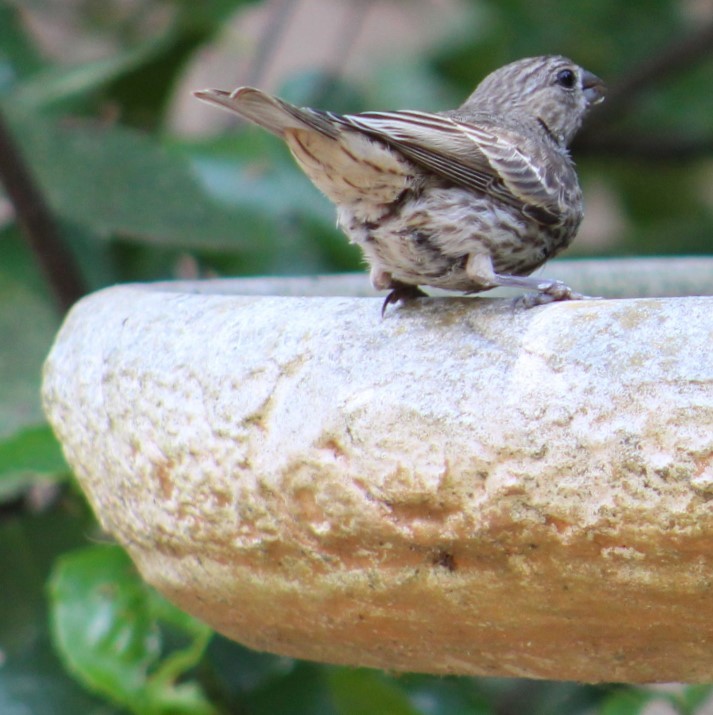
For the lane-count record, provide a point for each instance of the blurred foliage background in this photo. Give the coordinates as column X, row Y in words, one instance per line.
column 112, row 172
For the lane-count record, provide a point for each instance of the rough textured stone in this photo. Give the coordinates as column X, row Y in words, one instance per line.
column 461, row 487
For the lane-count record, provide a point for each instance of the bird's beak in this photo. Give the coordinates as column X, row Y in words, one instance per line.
column 594, row 88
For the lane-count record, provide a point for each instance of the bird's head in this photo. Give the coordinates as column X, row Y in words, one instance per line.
column 551, row 91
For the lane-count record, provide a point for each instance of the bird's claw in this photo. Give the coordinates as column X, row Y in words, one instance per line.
column 401, row 292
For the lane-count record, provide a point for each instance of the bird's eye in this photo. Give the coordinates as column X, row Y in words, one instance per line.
column 566, row 79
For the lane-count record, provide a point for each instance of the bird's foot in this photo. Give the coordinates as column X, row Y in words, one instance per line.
column 401, row 292
column 549, row 292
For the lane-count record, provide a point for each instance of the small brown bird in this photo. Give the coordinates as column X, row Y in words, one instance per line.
column 467, row 199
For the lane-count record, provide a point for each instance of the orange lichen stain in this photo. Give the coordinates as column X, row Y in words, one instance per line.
column 633, row 316
column 703, row 464
column 163, row 470
column 330, row 444
column 221, row 498
column 559, row 524
column 256, row 419
column 424, row 510
column 306, row 505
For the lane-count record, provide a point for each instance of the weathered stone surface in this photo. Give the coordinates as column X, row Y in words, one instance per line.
column 461, row 487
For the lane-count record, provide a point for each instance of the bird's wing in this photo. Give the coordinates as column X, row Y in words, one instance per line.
column 496, row 163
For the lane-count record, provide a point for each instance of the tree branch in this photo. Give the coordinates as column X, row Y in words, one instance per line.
column 351, row 28
column 673, row 148
column 677, row 57
column 266, row 48
column 37, row 223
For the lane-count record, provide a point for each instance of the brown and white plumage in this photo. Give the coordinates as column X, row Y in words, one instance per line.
column 466, row 199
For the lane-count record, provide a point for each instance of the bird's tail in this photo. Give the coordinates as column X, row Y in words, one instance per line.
column 269, row 112
column 343, row 161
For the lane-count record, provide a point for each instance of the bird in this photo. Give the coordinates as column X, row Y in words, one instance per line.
column 465, row 199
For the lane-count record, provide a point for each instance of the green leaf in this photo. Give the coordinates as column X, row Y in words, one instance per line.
column 691, row 699
column 209, row 15
column 32, row 679
column 27, row 456
column 356, row 692
column 106, row 633
column 303, row 690
column 437, row 695
column 117, row 182
column 252, row 171
column 32, row 451
column 27, row 325
column 627, row 701
column 238, row 670
column 18, row 56
column 59, row 84
column 101, row 624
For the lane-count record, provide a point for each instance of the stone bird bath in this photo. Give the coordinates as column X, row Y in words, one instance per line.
column 462, row 487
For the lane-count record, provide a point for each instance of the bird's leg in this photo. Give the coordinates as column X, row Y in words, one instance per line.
column 547, row 291
column 382, row 280
column 479, row 268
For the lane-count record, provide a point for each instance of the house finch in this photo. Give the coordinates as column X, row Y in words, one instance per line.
column 467, row 199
